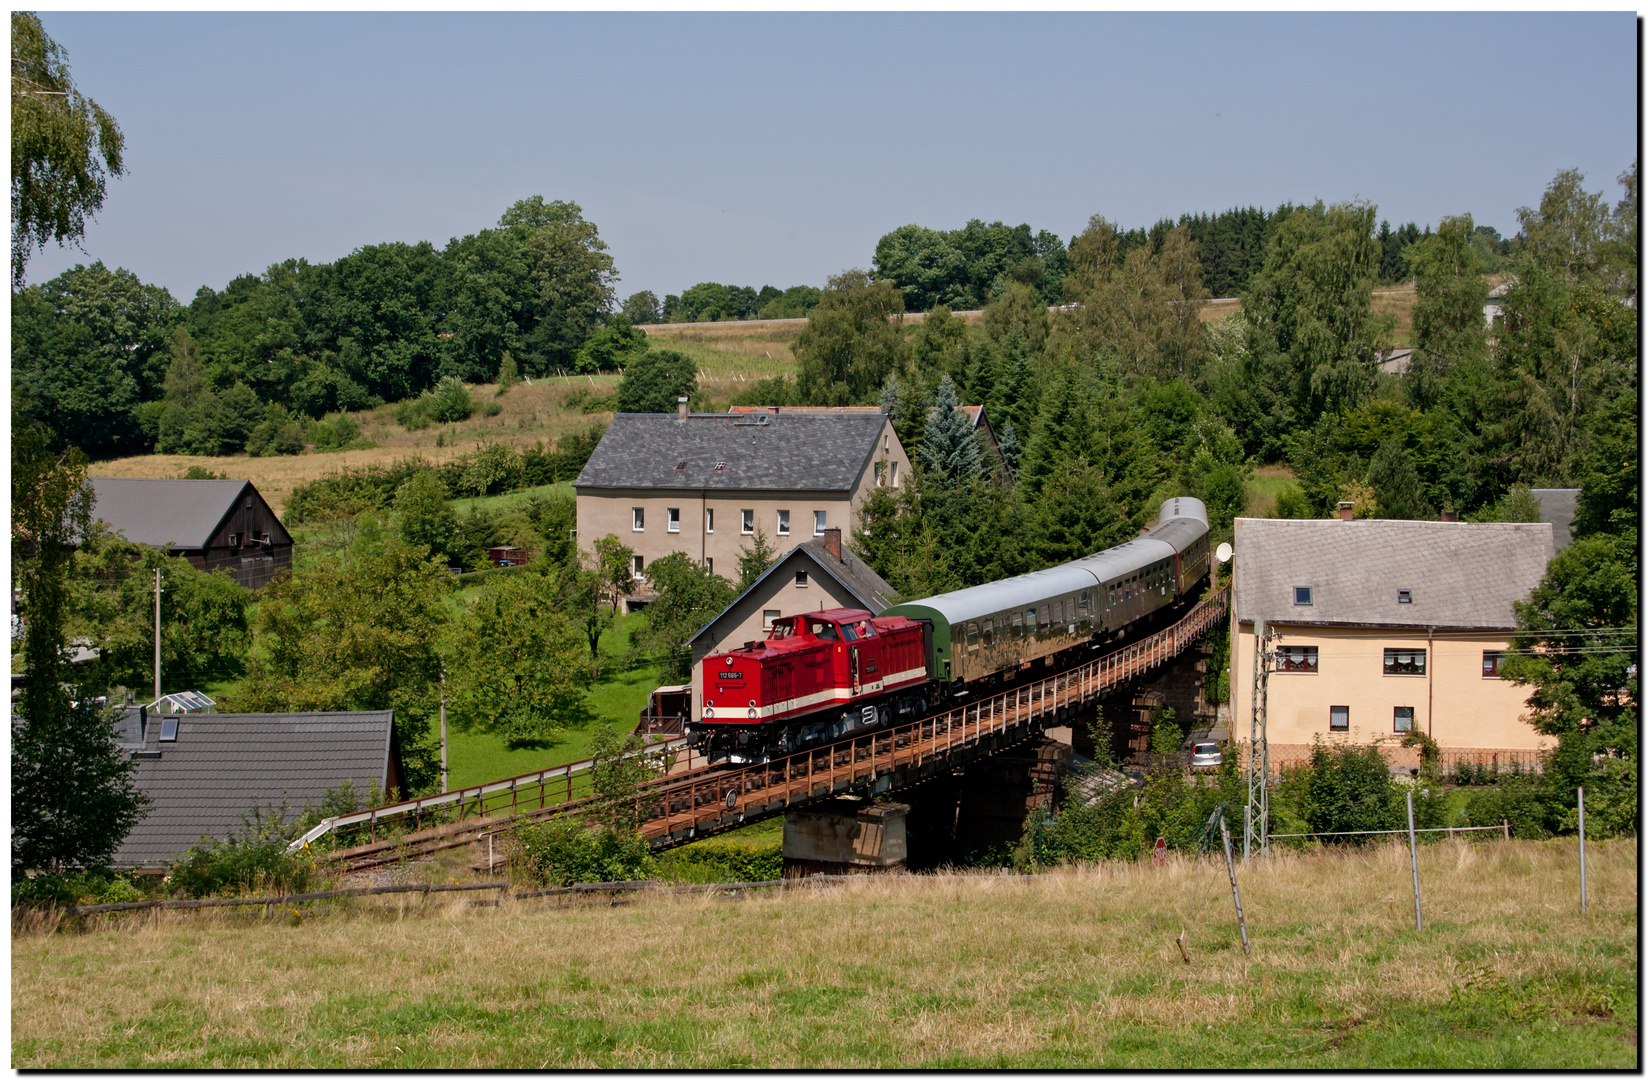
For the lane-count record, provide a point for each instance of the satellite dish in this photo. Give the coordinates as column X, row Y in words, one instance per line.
column 1222, row 553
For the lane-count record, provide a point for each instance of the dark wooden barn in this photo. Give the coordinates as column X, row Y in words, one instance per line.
column 215, row 524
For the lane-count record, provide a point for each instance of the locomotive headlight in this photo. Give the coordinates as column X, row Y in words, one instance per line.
column 708, row 712
column 729, row 661
column 752, row 712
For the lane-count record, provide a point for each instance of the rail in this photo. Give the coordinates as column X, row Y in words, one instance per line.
column 677, row 808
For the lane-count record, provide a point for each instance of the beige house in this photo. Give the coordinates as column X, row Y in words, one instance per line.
column 814, row 576
column 705, row 483
column 1377, row 628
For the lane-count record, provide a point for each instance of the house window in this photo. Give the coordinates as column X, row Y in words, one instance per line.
column 709, row 521
column 895, row 474
column 1404, row 718
column 818, row 523
column 770, row 616
column 1338, row 717
column 1404, row 661
column 637, row 519
column 674, row 519
column 709, row 566
column 1490, row 663
column 783, row 523
column 801, row 579
column 1301, row 596
column 635, row 568
column 1404, row 596
column 749, row 522
column 1296, row 658
column 168, row 729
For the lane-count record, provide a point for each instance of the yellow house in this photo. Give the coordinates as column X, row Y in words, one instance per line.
column 1377, row 628
column 706, row 483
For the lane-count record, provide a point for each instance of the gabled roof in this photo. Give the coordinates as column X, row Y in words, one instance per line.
column 183, row 513
column 1460, row 575
column 791, row 451
column 1558, row 506
column 852, row 573
column 225, row 765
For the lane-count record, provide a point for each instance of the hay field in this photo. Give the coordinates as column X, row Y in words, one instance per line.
column 1073, row 969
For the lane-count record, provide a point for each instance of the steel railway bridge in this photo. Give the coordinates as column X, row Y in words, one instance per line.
column 690, row 802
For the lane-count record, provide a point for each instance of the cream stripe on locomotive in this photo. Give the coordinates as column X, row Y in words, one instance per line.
column 789, row 705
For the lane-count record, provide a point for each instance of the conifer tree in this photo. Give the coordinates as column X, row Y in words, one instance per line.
column 948, row 448
column 1396, row 484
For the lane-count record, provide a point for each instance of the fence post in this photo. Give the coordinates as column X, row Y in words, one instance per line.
column 1582, row 851
column 1413, row 855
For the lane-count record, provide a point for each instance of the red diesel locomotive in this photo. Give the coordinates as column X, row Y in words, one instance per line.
column 842, row 663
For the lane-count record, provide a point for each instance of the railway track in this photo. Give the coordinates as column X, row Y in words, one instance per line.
column 692, row 803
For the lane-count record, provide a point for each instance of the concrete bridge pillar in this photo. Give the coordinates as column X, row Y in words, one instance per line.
column 845, row 836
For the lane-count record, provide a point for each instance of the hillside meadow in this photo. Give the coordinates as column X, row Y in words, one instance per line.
column 1074, row 968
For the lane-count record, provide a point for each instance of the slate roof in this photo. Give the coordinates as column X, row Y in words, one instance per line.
column 851, row 573
column 223, row 765
column 1558, row 506
column 1462, row 575
column 183, row 513
column 791, row 451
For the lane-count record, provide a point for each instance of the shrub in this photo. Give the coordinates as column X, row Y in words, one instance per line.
column 255, row 859
column 725, row 859
column 564, row 851
column 277, row 433
column 1349, row 789
column 1515, row 798
column 334, row 432
column 654, row 380
column 63, row 890
column 448, row 403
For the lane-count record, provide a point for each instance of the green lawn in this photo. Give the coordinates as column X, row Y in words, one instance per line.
column 476, row 758
column 1262, row 490
column 511, row 500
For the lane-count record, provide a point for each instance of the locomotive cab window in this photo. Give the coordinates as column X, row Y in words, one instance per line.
column 848, row 633
column 824, row 631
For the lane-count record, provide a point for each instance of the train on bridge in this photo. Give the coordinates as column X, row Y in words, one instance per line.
column 828, row 675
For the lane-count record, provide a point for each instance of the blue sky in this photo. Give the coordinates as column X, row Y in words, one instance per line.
column 776, row 149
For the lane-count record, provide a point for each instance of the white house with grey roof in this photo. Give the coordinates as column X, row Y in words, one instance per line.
column 1378, row 628
column 706, row 483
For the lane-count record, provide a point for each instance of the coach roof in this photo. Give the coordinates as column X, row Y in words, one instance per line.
column 722, row 452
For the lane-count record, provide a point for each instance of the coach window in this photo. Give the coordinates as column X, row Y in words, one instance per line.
column 749, row 522
column 1083, row 605
column 1046, row 616
column 989, row 634
column 1018, row 624
column 1058, row 611
column 637, row 519
column 972, row 635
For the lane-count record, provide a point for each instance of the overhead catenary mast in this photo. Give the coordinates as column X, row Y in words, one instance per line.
column 1258, row 758
column 157, row 636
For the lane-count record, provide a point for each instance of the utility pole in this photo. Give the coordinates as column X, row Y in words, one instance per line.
column 1258, row 758
column 157, row 634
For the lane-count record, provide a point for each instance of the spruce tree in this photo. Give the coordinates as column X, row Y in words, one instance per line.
column 1008, row 442
column 1396, row 484
column 948, row 449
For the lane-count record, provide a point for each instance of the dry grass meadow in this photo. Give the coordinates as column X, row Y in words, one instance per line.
column 1076, row 968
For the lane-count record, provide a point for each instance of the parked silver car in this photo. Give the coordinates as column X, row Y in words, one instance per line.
column 1205, row 755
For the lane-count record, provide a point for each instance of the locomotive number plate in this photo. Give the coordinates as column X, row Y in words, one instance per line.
column 729, row 675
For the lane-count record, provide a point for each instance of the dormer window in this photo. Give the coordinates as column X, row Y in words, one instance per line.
column 1404, row 596
column 1302, row 596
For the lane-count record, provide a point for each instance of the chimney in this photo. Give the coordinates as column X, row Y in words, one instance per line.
column 832, row 542
column 1347, row 511
column 680, row 408
column 1450, row 515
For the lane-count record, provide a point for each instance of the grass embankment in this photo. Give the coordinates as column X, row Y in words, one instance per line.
column 1072, row 969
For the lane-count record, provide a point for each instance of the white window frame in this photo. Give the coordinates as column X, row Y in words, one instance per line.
column 674, row 517
column 709, row 564
column 770, row 616
column 748, row 528
column 783, row 523
column 636, row 568
column 638, row 519
column 895, row 474
column 709, row 519
column 820, row 517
